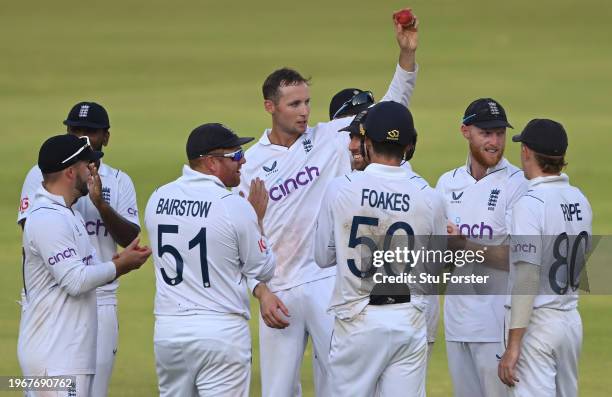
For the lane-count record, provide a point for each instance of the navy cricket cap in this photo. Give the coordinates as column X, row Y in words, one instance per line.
column 349, row 101
column 356, row 126
column 544, row 136
column 211, row 136
column 62, row 151
column 89, row 115
column 390, row 122
column 485, row 113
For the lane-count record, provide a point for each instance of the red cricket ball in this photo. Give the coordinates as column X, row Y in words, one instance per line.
column 404, row 17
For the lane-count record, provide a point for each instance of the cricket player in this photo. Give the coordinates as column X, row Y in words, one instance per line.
column 479, row 199
column 297, row 162
column 551, row 233
column 207, row 242
column 379, row 343
column 358, row 162
column 61, row 270
column 111, row 219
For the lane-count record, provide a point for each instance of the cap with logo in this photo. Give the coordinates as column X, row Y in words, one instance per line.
column 62, row 151
column 355, row 128
column 211, row 136
column 485, row 113
column 89, row 115
column 544, row 136
column 390, row 122
column 349, row 101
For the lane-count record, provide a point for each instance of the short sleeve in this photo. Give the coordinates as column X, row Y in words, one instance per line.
column 127, row 204
column 526, row 231
column 32, row 182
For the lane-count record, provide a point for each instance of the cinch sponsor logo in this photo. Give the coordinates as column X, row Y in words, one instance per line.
column 132, row 211
column 302, row 178
column 67, row 253
column 476, row 230
column 93, row 228
column 526, row 248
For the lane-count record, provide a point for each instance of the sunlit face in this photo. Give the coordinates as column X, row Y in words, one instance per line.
column 358, row 162
column 290, row 112
column 226, row 169
column 486, row 146
column 98, row 138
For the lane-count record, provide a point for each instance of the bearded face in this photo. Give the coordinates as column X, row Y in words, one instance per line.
column 486, row 146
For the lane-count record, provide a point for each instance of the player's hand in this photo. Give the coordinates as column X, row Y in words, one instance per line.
column 455, row 240
column 94, row 184
column 258, row 197
column 407, row 36
column 271, row 307
column 506, row 369
column 131, row 258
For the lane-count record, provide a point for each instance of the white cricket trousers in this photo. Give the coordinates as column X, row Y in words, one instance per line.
column 382, row 352
column 473, row 369
column 432, row 317
column 203, row 355
column 106, row 348
column 548, row 364
column 281, row 350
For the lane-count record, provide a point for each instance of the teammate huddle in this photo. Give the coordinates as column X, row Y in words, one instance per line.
column 293, row 231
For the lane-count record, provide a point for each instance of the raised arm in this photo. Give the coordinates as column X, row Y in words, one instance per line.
column 122, row 229
column 402, row 85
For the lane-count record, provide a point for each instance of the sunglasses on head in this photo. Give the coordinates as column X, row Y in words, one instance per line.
column 85, row 146
column 363, row 98
column 235, row 156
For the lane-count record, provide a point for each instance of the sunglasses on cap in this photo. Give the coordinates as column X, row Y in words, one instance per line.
column 235, row 156
column 86, row 145
column 363, row 98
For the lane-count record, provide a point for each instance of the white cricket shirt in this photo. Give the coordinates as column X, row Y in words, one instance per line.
column 482, row 210
column 118, row 191
column 552, row 229
column 379, row 201
column 59, row 324
column 205, row 242
column 296, row 178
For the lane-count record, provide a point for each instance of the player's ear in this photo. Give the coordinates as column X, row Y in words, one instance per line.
column 465, row 131
column 105, row 137
column 70, row 172
column 269, row 105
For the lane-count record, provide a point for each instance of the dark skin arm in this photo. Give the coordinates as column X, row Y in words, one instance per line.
column 121, row 230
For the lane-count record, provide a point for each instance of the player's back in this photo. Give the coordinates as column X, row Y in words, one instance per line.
column 552, row 227
column 193, row 226
column 378, row 209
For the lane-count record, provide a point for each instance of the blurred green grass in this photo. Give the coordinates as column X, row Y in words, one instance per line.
column 161, row 68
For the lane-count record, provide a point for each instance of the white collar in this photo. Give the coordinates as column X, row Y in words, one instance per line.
column 103, row 169
column 386, row 170
column 191, row 176
column 406, row 165
column 503, row 163
column 50, row 197
column 265, row 138
column 560, row 180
